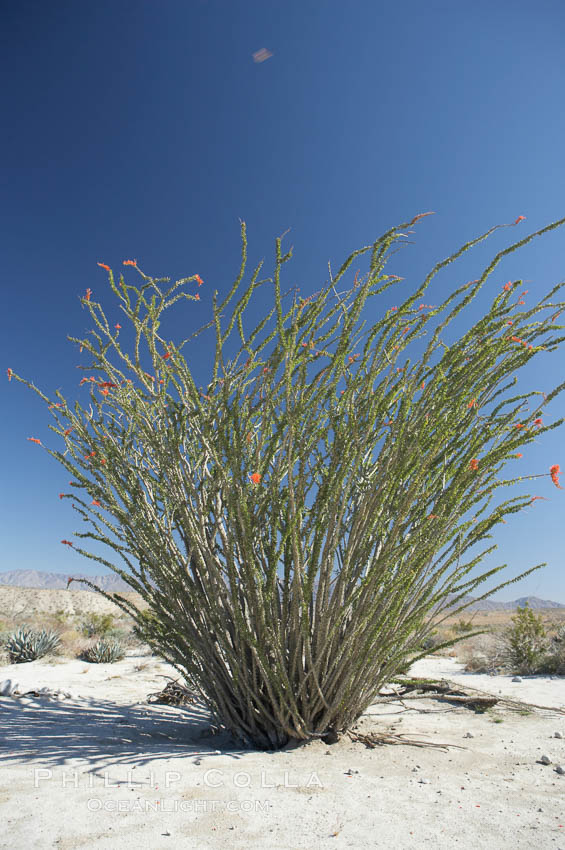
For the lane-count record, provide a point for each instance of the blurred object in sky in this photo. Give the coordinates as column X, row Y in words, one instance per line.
column 261, row 55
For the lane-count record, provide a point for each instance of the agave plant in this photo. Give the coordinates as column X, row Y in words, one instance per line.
column 97, row 624
column 28, row 644
column 299, row 528
column 104, row 652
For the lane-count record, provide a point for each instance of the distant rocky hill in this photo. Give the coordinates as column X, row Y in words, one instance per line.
column 58, row 581
column 532, row 601
column 110, row 582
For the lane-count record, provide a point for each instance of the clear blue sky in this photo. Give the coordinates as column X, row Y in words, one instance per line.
column 146, row 130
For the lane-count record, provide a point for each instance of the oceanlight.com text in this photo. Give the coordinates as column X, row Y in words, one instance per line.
column 95, row 804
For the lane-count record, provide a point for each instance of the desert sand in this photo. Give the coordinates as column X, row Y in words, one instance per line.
column 104, row 769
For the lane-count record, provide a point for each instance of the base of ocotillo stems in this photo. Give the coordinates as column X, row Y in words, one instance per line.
column 331, row 737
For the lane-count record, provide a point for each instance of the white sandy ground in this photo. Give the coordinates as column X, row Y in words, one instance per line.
column 107, row 770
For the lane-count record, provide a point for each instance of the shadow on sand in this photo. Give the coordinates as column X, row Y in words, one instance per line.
column 96, row 730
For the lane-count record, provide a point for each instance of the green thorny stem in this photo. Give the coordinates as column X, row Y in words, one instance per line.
column 244, row 595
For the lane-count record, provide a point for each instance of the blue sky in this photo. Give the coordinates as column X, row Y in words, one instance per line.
column 146, row 130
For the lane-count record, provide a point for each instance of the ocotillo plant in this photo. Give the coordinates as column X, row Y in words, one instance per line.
column 288, row 617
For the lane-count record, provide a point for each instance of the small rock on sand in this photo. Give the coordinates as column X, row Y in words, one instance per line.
column 7, row 687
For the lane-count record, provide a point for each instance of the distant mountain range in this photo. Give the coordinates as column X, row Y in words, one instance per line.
column 533, row 602
column 58, row 581
column 110, row 582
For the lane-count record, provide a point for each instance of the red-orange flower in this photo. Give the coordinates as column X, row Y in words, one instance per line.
column 555, row 473
column 472, row 403
column 95, row 502
column 197, row 296
column 130, row 262
column 118, row 327
column 433, row 516
column 509, row 323
column 104, row 391
column 519, row 454
column 104, row 266
column 167, row 355
column 9, row 374
column 67, row 431
column 34, row 440
column 422, row 385
column 255, row 477
column 198, row 279
column 61, row 495
column 520, row 218
column 519, row 425
column 538, row 421
column 474, row 463
column 69, row 580
column 88, row 294
column 521, row 302
column 67, row 542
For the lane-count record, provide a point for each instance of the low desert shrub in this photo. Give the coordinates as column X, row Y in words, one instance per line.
column 97, row 624
column 553, row 661
column 526, row 640
column 462, row 627
column 28, row 645
column 484, row 654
